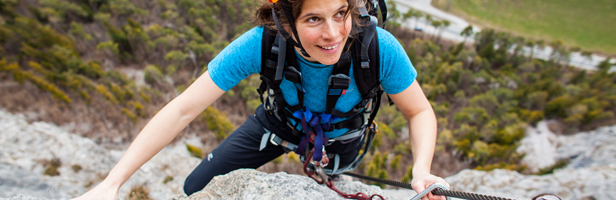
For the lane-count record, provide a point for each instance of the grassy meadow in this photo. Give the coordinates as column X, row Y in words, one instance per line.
column 590, row 25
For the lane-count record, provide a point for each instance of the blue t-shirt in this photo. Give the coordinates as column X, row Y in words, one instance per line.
column 243, row 57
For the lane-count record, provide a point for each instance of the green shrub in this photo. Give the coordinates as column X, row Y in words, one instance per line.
column 444, row 139
column 403, row 148
column 109, row 46
column 167, row 179
column 395, row 163
column 511, row 134
column 61, row 9
column 277, row 160
column 129, row 114
column 550, row 169
column 51, row 168
column 76, row 168
column 384, row 129
column 217, row 122
column 408, row 176
column 103, row 90
column 501, row 165
column 138, row 107
column 20, row 76
column 139, row 192
column 153, row 75
column 77, row 31
column 531, row 116
column 194, row 151
column 293, row 157
column 479, row 151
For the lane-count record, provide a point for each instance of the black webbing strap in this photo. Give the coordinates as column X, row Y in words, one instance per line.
column 294, row 41
column 339, row 81
column 383, row 7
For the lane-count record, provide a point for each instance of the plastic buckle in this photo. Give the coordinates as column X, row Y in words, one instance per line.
column 339, row 81
column 365, row 65
column 293, row 75
column 275, row 50
column 273, row 139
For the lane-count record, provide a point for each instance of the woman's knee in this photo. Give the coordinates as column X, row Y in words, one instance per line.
column 195, row 182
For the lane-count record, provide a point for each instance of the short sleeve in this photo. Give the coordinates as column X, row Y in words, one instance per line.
column 397, row 71
column 238, row 60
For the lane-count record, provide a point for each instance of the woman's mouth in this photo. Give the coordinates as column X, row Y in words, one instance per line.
column 329, row 47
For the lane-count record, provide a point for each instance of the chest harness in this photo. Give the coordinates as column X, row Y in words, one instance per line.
column 278, row 60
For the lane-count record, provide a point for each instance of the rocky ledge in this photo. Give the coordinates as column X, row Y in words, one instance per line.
column 27, row 149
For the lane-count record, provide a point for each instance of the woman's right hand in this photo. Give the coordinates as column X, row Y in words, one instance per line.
column 102, row 191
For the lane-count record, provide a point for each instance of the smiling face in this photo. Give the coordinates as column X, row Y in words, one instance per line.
column 323, row 29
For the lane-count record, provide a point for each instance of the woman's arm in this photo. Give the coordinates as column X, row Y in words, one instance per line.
column 158, row 133
column 422, row 130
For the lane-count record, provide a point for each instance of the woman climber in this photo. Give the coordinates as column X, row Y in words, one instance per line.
column 324, row 65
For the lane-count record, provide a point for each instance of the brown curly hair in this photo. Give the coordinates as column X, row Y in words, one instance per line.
column 263, row 15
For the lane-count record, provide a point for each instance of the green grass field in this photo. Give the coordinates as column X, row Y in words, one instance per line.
column 590, row 25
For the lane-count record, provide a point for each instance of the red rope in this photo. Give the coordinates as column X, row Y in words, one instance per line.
column 330, row 183
column 359, row 195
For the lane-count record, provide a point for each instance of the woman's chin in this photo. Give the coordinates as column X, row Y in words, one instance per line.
column 329, row 59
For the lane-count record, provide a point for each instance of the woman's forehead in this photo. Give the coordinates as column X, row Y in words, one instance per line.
column 321, row 6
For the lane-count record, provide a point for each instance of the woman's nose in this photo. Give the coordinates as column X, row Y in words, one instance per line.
column 330, row 30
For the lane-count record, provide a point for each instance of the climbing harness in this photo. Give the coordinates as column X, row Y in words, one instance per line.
column 279, row 61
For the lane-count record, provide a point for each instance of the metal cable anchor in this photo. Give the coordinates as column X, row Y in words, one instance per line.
column 428, row 190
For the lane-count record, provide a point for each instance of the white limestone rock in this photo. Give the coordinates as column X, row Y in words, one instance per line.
column 24, row 147
column 252, row 184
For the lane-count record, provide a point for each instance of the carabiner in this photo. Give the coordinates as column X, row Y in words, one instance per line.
column 428, row 190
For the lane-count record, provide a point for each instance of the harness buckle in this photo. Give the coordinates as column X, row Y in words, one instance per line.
column 339, row 81
column 273, row 141
column 365, row 65
column 293, row 75
column 275, row 49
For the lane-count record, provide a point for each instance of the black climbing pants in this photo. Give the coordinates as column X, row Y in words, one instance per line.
column 241, row 150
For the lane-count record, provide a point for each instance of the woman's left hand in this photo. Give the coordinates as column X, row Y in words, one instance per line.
column 423, row 181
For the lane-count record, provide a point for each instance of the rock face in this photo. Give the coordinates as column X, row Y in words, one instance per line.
column 591, row 171
column 25, row 148
column 252, row 184
column 539, row 147
column 596, row 182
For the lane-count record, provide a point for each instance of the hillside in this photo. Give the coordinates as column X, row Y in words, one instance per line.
column 577, row 23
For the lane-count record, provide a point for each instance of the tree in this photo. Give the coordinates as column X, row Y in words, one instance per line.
column 572, row 50
column 556, row 45
column 428, row 18
column 486, row 37
column 393, row 10
column 436, row 24
column 531, row 45
column 587, row 55
column 468, row 31
column 519, row 46
column 444, row 25
column 540, row 44
column 408, row 15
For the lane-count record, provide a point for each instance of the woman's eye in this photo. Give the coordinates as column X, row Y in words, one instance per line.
column 313, row 19
column 340, row 14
